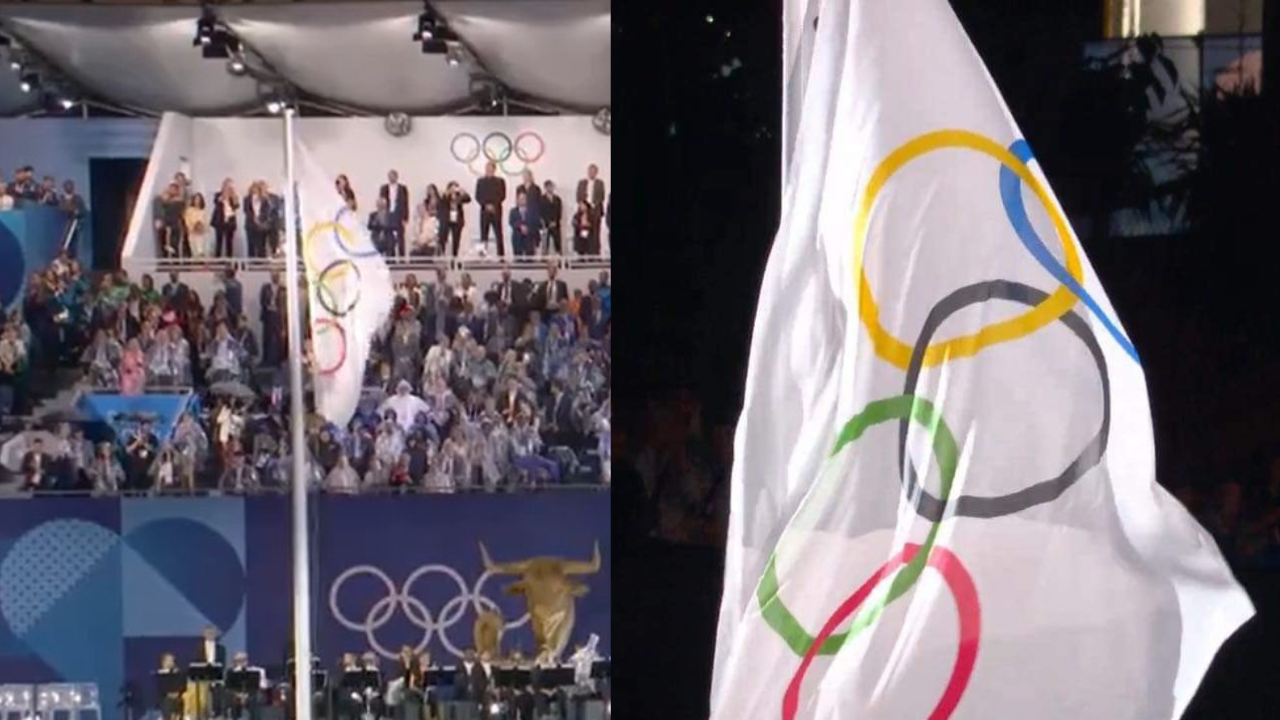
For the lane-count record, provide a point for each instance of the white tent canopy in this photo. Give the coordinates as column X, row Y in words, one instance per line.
column 358, row 54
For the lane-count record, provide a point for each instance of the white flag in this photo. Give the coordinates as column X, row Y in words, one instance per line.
column 944, row 501
column 350, row 289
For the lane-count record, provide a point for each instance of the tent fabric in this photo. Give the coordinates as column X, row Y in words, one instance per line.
column 359, row 54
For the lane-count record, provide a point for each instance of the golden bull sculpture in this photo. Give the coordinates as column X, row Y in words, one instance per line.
column 550, row 590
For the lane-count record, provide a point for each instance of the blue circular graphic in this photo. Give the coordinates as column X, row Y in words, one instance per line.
column 13, row 267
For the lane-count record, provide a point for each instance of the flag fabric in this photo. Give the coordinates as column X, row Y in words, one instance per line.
column 944, row 501
column 350, row 292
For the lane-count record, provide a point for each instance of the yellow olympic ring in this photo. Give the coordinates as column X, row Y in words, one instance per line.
column 896, row 351
column 313, row 268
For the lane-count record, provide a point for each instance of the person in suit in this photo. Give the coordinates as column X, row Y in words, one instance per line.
column 171, row 703
column 397, row 197
column 491, row 193
column 453, row 217
column 37, row 473
column 522, row 226
column 591, row 190
column 505, row 288
column 382, row 229
column 212, row 652
column 533, row 201
column 552, row 208
column 226, row 206
column 552, row 291
column 247, row 702
column 257, row 219
column 270, row 314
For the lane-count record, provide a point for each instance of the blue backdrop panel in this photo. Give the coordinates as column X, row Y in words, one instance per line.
column 166, row 407
column 371, row 547
column 93, row 590
column 29, row 240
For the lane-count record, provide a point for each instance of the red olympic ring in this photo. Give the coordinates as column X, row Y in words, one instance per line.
column 522, row 154
column 342, row 357
column 963, row 591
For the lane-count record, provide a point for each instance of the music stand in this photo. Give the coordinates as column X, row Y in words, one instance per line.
column 204, row 674
column 367, row 684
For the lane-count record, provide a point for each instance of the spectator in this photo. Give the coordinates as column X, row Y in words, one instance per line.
column 397, row 202
column 273, row 327
column 552, row 208
column 164, row 471
column 234, row 291
column 226, row 206
column 7, row 201
column 258, row 222
column 343, row 478
column 591, row 191
column 105, row 473
column 491, row 193
column 24, row 187
column 196, row 223
column 140, row 452
column 103, row 360
column 552, row 291
column 239, row 477
column 523, row 230
column 533, row 200
column 343, row 186
column 582, row 228
column 167, row 219
column 455, row 218
column 71, row 202
column 222, row 357
column 428, row 238
column 133, row 369
column 49, row 191
column 382, row 229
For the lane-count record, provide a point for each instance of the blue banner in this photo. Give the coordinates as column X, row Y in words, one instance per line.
column 407, row 570
column 94, row 590
column 107, row 407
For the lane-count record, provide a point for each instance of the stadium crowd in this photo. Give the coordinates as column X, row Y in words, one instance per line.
column 465, row 389
column 188, row 225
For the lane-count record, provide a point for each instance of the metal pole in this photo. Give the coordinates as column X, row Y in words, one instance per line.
column 301, row 565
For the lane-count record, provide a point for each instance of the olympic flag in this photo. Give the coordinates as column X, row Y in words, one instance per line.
column 350, row 290
column 944, row 502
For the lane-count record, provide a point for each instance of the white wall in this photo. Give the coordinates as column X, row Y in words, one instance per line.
column 247, row 149
column 62, row 147
column 169, row 155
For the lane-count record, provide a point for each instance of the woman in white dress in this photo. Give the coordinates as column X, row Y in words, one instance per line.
column 197, row 222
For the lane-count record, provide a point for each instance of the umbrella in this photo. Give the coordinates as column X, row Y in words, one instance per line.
column 233, row 389
column 12, row 451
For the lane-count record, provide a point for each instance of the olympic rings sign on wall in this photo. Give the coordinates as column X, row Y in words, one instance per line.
column 402, row 598
column 498, row 148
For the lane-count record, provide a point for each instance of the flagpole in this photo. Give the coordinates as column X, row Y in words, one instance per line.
column 301, row 573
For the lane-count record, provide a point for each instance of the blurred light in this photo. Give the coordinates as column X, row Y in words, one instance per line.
column 494, row 709
column 30, row 81
column 67, row 104
column 274, row 107
column 710, row 19
column 236, row 66
column 454, row 57
column 15, row 65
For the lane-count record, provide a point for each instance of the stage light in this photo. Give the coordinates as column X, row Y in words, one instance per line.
column 206, row 26
column 274, row 107
column 236, row 66
column 456, row 55
column 30, row 82
column 494, row 709
column 15, row 65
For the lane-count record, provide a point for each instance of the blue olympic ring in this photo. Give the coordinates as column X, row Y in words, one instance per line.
column 337, row 238
column 1011, row 197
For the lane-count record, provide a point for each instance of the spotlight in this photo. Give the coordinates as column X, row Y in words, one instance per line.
column 236, row 66
column 206, row 26
column 454, row 57
column 495, row 708
column 433, row 32
column 274, row 107
column 15, row 65
column 67, row 104
column 30, row 82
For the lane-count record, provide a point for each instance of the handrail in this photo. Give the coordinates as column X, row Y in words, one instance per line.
column 160, row 264
column 380, row 490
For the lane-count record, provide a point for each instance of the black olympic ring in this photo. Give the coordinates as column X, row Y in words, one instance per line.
column 484, row 146
column 324, row 295
column 928, row 505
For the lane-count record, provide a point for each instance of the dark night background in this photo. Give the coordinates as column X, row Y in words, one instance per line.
column 698, row 152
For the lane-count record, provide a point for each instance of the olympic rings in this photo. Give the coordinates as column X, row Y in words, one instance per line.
column 894, row 350
column 324, row 295
column 963, row 591
column 946, row 453
column 932, row 508
column 474, row 152
column 498, row 148
column 417, row 613
column 523, row 154
column 506, row 150
column 320, row 324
